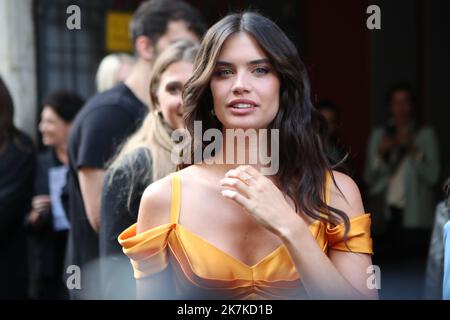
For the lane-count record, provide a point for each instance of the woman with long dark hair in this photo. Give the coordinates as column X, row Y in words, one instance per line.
column 220, row 228
column 17, row 165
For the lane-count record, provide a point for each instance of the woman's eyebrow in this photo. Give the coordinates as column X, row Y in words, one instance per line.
column 224, row 63
column 258, row 61
column 173, row 83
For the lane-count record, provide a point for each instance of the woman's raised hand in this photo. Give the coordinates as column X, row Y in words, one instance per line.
column 260, row 197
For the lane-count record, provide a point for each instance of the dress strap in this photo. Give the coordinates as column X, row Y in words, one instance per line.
column 327, row 187
column 175, row 203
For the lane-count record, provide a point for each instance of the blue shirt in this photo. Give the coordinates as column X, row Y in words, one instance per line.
column 57, row 181
column 446, row 285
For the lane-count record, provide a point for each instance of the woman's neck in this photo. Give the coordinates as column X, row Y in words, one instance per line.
column 239, row 147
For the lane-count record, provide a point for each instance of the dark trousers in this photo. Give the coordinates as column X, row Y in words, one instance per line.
column 47, row 252
column 395, row 229
column 406, row 241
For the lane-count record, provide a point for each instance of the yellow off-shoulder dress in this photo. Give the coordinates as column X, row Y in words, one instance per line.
column 203, row 271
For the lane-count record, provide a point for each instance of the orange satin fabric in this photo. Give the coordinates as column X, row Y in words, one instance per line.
column 203, row 271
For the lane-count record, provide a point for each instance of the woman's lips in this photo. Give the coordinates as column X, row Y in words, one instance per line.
column 242, row 107
column 242, row 111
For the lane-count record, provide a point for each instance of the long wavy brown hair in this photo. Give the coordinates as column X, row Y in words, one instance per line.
column 303, row 160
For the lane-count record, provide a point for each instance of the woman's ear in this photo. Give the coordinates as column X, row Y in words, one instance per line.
column 155, row 105
column 159, row 114
column 155, row 101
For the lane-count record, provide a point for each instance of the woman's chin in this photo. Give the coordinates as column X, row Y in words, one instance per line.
column 245, row 126
column 49, row 142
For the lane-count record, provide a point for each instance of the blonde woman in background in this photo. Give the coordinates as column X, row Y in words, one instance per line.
column 144, row 158
column 113, row 69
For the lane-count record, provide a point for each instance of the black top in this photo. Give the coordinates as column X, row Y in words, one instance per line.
column 98, row 129
column 119, row 211
column 46, row 160
column 17, row 166
column 17, row 169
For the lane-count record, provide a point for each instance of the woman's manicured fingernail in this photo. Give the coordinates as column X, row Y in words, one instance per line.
column 228, row 193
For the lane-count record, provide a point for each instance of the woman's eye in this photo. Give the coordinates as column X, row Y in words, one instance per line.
column 223, row 72
column 173, row 89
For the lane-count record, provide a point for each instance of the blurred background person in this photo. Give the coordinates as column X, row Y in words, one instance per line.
column 435, row 262
column 17, row 165
column 113, row 69
column 107, row 119
column 47, row 222
column 401, row 170
column 446, row 275
column 144, row 158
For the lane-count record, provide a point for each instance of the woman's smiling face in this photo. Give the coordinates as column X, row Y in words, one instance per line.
column 244, row 86
column 170, row 90
column 54, row 130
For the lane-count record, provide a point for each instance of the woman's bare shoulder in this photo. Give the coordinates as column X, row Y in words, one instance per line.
column 154, row 209
column 155, row 205
column 348, row 199
column 194, row 175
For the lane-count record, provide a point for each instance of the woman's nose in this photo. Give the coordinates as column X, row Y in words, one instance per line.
column 41, row 127
column 179, row 103
column 241, row 84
